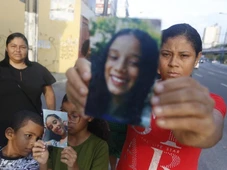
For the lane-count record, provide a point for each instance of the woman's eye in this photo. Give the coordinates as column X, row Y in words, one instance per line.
column 112, row 57
column 74, row 116
column 184, row 55
column 28, row 135
column 133, row 63
column 55, row 122
column 165, row 54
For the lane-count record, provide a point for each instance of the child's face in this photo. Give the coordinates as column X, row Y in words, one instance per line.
column 24, row 138
column 76, row 122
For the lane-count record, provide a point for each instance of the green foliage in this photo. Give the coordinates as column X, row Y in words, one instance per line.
column 104, row 28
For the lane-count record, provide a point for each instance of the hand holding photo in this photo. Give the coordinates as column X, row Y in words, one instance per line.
column 124, row 57
column 56, row 123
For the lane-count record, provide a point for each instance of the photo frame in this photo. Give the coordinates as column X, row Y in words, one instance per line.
column 56, row 128
column 124, row 57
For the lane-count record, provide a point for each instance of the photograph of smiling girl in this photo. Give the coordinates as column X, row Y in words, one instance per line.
column 55, row 123
column 124, row 57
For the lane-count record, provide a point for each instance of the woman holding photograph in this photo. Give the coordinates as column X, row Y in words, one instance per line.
column 187, row 116
column 55, row 124
column 128, row 63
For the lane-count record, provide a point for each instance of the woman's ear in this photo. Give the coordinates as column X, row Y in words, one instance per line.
column 90, row 119
column 198, row 58
column 9, row 133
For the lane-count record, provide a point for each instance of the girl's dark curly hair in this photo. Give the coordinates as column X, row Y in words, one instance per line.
column 97, row 127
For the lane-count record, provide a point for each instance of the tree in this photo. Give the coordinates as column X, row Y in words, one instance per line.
column 102, row 29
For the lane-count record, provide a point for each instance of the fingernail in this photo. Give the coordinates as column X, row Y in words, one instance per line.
column 85, row 75
column 157, row 110
column 159, row 88
column 154, row 100
column 82, row 91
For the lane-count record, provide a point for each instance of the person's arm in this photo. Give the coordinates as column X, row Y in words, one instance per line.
column 40, row 154
column 49, row 97
column 43, row 167
column 101, row 158
column 69, row 157
column 209, row 132
column 186, row 107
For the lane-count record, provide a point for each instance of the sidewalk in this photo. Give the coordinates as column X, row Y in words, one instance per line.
column 60, row 77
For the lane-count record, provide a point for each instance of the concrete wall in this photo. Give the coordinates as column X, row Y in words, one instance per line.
column 58, row 40
column 12, row 20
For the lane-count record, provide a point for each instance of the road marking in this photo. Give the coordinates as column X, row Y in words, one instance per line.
column 198, row 75
column 224, row 84
column 223, row 72
column 218, row 71
column 210, row 73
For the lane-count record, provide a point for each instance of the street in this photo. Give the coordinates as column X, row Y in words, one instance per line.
column 213, row 76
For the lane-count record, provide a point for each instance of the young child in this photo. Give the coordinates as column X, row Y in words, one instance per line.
column 87, row 146
column 25, row 129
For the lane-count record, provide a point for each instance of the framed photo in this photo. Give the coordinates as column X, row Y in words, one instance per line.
column 124, row 57
column 56, row 128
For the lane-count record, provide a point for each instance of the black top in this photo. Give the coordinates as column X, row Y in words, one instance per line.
column 21, row 89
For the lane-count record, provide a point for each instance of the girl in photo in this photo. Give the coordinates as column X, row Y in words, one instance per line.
column 123, row 76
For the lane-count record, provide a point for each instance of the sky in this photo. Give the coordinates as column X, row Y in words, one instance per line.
column 197, row 13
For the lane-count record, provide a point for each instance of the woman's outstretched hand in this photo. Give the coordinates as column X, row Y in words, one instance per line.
column 186, row 107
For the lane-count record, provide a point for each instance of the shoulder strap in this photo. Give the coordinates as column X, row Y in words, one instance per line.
column 20, row 86
column 23, row 90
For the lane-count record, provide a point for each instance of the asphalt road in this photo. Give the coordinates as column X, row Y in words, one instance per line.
column 213, row 76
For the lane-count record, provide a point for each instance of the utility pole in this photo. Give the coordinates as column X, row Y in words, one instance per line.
column 31, row 28
column 105, row 7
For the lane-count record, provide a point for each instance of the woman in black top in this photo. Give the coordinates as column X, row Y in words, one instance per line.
column 22, row 82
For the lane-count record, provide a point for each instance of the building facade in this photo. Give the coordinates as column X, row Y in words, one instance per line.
column 211, row 36
column 58, row 37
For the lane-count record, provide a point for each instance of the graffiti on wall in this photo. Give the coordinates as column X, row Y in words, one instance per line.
column 2, row 46
column 69, row 48
column 51, row 49
column 48, row 50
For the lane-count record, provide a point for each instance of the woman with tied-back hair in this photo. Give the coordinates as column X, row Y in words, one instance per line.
column 22, row 82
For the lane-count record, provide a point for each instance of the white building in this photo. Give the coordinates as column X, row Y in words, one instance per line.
column 211, row 36
column 122, row 8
